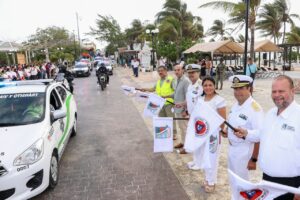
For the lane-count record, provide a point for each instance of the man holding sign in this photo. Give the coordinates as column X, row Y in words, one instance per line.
column 279, row 156
column 248, row 114
column 165, row 89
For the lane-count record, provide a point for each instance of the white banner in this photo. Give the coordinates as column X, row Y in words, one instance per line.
column 163, row 134
column 153, row 105
column 203, row 122
column 128, row 90
column 264, row 190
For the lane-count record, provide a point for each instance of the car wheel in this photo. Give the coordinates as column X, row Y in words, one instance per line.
column 53, row 175
column 74, row 129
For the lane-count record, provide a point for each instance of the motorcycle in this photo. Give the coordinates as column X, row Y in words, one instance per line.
column 102, row 81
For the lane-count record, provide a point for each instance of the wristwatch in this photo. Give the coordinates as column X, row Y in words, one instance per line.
column 253, row 159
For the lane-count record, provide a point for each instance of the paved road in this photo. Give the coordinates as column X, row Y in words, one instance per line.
column 111, row 156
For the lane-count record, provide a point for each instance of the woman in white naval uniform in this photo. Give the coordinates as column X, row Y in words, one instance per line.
column 245, row 113
column 212, row 146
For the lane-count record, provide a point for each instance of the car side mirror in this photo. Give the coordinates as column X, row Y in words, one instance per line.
column 58, row 114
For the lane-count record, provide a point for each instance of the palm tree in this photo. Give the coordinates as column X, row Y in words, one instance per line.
column 237, row 15
column 285, row 17
column 294, row 35
column 180, row 22
column 270, row 22
column 240, row 38
column 218, row 29
column 133, row 33
column 176, row 24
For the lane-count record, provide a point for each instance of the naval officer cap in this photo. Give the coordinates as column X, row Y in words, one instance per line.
column 193, row 68
column 240, row 81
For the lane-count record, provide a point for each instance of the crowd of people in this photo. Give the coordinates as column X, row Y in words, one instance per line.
column 27, row 72
column 249, row 141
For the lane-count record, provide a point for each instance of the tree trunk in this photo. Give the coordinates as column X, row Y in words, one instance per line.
column 283, row 36
column 252, row 29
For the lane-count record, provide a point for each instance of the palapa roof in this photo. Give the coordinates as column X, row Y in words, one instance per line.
column 224, row 47
column 264, row 46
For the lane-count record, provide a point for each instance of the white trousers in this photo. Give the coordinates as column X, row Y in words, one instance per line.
column 238, row 158
column 207, row 158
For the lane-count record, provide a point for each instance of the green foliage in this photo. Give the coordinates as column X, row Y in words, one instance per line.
column 107, row 29
column 3, row 59
column 168, row 50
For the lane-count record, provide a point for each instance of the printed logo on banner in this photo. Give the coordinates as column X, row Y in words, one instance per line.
column 201, row 127
column 255, row 194
column 162, row 132
column 213, row 144
column 152, row 107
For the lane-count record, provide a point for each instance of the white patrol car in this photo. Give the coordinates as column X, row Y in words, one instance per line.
column 36, row 120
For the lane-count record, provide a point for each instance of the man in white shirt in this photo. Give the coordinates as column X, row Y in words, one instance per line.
column 279, row 156
column 193, row 93
column 135, row 66
column 248, row 114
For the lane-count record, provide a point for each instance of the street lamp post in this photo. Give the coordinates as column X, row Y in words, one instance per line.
column 246, row 34
column 153, row 33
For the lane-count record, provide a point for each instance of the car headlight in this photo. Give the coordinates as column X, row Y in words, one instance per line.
column 31, row 155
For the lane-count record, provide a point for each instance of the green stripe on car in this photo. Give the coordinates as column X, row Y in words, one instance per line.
column 62, row 139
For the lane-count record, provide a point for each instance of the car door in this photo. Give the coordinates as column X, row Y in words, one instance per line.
column 58, row 125
column 66, row 105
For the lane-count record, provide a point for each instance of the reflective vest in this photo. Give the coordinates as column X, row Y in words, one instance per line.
column 166, row 89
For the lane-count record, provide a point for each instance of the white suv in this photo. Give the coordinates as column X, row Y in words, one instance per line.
column 36, row 120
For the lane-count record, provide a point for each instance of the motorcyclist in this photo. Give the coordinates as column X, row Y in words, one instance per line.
column 67, row 75
column 102, row 70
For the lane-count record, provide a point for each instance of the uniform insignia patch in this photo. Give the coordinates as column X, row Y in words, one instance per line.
column 255, row 106
column 242, row 116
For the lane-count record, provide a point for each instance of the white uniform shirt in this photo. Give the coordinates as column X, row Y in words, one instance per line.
column 249, row 116
column 216, row 102
column 279, row 154
column 194, row 92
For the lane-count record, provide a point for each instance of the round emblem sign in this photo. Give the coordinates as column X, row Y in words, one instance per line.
column 201, row 127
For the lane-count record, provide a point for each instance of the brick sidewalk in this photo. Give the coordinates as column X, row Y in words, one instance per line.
column 191, row 180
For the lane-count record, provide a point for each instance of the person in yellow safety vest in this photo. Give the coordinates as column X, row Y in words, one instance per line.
column 164, row 87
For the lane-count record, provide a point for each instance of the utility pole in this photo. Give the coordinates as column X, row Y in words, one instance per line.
column 78, row 33
column 246, row 34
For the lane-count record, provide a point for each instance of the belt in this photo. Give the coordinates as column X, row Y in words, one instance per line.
column 289, row 181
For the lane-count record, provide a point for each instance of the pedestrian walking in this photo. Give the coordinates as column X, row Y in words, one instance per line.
column 220, row 74
column 135, row 66
column 208, row 66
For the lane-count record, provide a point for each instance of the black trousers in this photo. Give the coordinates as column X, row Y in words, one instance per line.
column 289, row 181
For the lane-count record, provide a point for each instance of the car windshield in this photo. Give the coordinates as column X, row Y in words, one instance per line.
column 106, row 64
column 80, row 66
column 21, row 108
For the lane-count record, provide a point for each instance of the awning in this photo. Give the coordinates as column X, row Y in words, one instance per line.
column 223, row 47
column 264, row 46
column 10, row 46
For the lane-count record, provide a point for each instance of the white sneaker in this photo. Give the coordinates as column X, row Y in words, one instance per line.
column 195, row 168
column 190, row 164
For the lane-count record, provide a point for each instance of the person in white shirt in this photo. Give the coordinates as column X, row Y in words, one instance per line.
column 194, row 93
column 279, row 156
column 135, row 66
column 245, row 113
column 216, row 102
